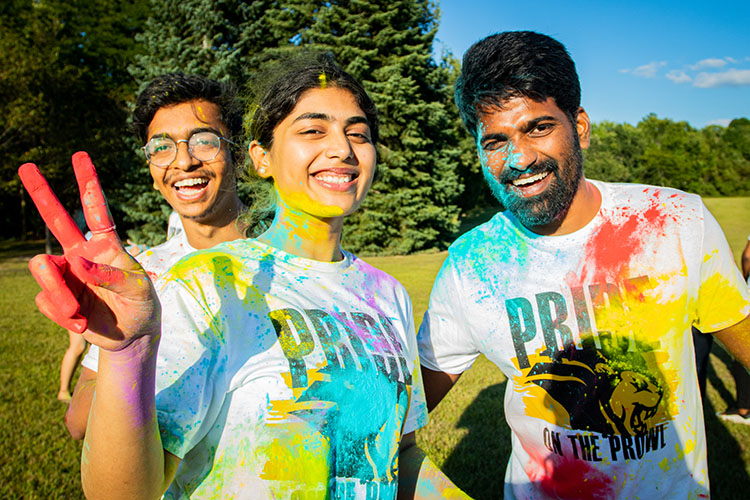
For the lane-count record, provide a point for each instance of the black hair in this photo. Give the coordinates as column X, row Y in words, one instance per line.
column 176, row 88
column 516, row 64
column 278, row 90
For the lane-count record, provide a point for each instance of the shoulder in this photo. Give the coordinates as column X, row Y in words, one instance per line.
column 375, row 278
column 221, row 259
column 644, row 195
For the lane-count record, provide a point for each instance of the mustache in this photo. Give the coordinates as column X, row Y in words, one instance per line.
column 509, row 175
column 201, row 172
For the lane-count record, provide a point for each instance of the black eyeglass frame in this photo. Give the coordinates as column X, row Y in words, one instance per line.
column 190, row 151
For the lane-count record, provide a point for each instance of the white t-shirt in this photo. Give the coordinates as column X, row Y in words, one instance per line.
column 282, row 377
column 593, row 331
column 155, row 261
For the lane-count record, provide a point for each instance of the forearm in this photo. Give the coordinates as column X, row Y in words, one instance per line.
column 122, row 454
column 419, row 478
column 77, row 416
column 736, row 339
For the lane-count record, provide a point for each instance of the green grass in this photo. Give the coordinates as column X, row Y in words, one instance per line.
column 467, row 435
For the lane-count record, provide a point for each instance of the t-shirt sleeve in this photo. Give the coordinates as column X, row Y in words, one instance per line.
column 445, row 340
column 188, row 380
column 723, row 295
column 416, row 416
column 91, row 359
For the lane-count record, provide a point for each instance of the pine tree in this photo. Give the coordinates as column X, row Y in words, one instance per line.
column 387, row 45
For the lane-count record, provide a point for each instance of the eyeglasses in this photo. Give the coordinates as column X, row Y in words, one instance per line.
column 161, row 151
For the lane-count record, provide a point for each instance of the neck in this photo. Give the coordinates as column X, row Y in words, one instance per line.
column 304, row 235
column 224, row 227
column 582, row 210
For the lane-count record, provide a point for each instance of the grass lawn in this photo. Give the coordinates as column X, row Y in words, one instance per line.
column 467, row 435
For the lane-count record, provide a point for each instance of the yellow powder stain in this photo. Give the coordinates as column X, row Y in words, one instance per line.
column 301, row 456
column 664, row 464
column 304, row 202
column 680, row 452
column 689, row 446
column 323, row 80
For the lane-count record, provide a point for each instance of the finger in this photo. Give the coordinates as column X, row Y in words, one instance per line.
column 54, row 215
column 94, row 204
column 49, row 272
column 119, row 281
column 47, row 305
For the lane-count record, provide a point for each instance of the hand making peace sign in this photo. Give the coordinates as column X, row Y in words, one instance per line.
column 95, row 288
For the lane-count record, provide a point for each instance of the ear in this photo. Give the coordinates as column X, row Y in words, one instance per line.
column 583, row 128
column 260, row 158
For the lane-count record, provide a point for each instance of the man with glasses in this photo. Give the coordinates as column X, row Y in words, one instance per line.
column 187, row 123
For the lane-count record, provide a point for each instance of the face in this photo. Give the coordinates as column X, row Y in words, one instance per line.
column 531, row 157
column 322, row 159
column 196, row 190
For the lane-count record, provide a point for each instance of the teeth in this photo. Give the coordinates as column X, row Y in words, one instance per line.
column 335, row 179
column 190, row 182
column 530, row 180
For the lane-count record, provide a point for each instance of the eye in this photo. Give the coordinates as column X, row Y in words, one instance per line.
column 359, row 136
column 542, row 129
column 494, row 144
column 311, row 131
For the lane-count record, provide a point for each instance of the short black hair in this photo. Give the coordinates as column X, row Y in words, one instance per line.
column 277, row 91
column 516, row 64
column 175, row 88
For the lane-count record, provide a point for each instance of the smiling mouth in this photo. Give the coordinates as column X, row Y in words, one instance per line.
column 336, row 178
column 192, row 184
column 526, row 181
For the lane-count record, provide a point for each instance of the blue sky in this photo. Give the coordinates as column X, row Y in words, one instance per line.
column 682, row 60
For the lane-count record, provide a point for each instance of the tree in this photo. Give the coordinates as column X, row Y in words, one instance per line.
column 387, row 45
column 64, row 86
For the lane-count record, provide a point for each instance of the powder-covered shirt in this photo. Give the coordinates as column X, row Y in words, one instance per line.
column 155, row 261
column 593, row 331
column 282, row 377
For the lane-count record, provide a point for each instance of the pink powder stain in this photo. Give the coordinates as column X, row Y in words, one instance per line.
column 619, row 239
column 563, row 478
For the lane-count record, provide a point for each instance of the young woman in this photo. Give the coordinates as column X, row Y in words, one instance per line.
column 287, row 367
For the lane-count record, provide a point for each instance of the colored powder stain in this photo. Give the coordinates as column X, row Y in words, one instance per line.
column 664, row 464
column 323, row 81
column 559, row 477
column 679, row 451
column 689, row 446
column 300, row 458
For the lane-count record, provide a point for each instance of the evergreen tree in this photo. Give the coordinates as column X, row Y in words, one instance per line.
column 63, row 88
column 387, row 45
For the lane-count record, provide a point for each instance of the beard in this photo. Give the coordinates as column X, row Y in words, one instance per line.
column 552, row 204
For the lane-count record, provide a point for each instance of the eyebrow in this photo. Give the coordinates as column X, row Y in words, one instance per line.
column 322, row 116
column 526, row 127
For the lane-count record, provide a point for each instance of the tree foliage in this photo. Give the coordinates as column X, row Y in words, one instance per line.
column 69, row 73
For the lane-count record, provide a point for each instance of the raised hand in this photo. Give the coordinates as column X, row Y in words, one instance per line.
column 95, row 288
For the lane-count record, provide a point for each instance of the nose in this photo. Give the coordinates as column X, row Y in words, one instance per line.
column 184, row 160
column 339, row 146
column 520, row 156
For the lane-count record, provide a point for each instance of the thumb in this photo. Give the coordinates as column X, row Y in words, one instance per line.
column 116, row 280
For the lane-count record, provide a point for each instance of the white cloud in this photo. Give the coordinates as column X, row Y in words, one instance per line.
column 729, row 78
column 709, row 63
column 679, row 76
column 649, row 70
column 731, row 60
column 722, row 122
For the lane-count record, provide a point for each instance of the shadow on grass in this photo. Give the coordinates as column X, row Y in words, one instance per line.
column 477, row 464
column 726, row 463
column 10, row 249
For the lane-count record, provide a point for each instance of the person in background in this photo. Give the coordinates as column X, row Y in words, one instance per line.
column 582, row 292
column 740, row 412
column 187, row 124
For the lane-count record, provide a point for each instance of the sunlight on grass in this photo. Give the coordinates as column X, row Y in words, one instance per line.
column 467, row 435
